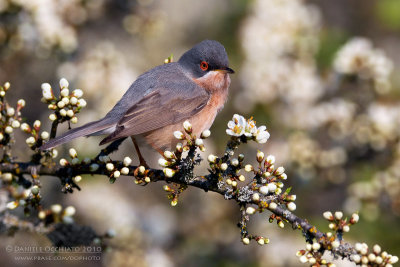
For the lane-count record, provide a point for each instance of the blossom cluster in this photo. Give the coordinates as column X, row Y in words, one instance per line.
column 238, row 126
column 44, row 25
column 359, row 57
column 280, row 39
column 67, row 105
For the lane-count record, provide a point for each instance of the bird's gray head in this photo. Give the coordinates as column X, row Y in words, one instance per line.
column 204, row 57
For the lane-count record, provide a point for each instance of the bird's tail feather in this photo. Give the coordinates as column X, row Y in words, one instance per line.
column 84, row 130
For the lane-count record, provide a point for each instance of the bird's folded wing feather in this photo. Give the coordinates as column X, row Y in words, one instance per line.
column 163, row 106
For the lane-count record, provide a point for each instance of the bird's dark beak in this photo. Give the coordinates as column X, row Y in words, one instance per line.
column 228, row 70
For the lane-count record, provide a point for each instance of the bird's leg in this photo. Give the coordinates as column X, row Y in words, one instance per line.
column 141, row 159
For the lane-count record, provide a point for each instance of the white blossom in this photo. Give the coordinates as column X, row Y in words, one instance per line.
column 236, row 126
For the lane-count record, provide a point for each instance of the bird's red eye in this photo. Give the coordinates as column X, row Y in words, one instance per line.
column 204, row 65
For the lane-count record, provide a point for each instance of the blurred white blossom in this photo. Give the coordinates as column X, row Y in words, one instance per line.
column 279, row 39
column 359, row 57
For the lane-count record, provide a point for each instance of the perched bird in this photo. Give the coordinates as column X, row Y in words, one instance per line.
column 194, row 88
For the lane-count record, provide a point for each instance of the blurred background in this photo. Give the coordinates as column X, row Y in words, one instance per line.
column 322, row 75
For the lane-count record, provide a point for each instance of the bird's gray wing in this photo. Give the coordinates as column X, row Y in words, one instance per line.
column 171, row 101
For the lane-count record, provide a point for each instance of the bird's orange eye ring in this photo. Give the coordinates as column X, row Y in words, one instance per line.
column 204, row 65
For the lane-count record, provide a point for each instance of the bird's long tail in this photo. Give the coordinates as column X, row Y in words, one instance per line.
column 90, row 128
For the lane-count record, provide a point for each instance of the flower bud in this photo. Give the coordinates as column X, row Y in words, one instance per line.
column 12, row 205
column 42, row 215
column 56, row 208
column 248, row 168
column 335, row 244
column 263, row 190
column 69, row 211
column 169, row 172
column 82, row 103
column 63, row 162
column 271, row 159
column 65, row 100
column 261, row 241
column 52, row 106
column 64, row 83
column 205, row 134
column 116, row 174
column 187, row 126
column 354, row 218
column 35, row 190
column 169, row 154
column 70, row 113
column 273, row 206
column 44, row 135
column 179, row 147
column 338, row 215
column 328, row 215
column 291, row 206
column 77, row 178
column 163, row 163
column 179, row 135
column 279, row 171
column 377, row 249
column 346, row 228
column 246, row 241
column 21, row 103
column 142, row 169
column 235, row 162
column 64, row 92
column 52, row 117
column 393, row 260
column 8, row 129
column 77, row 93
column 73, row 100
column 73, row 153
column 125, row 171
column 46, row 91
column 30, row 141
column 242, row 178
column 250, row 210
column 60, row 104
column 127, row 161
column 7, row 177
column 211, row 158
column 255, row 197
column 199, row 142
column 316, row 246
column 260, row 156
column 110, row 166
column 303, row 259
column 74, row 120
column 7, row 86
column 224, row 166
column 15, row 124
column 147, row 179
column 271, row 187
column 25, row 127
column 10, row 112
column 63, row 112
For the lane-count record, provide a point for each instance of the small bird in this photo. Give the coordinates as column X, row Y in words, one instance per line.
column 195, row 88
